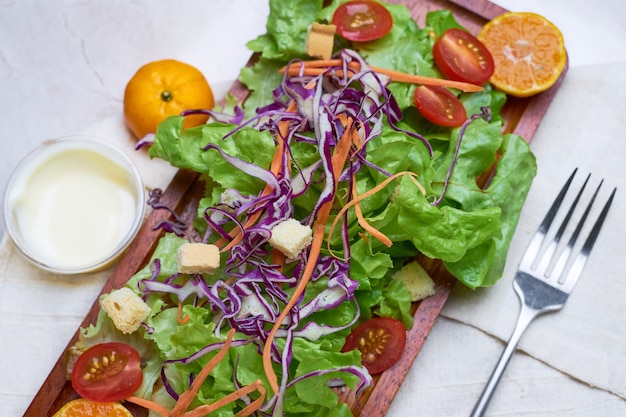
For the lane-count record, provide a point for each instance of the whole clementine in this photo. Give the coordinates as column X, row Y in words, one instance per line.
column 82, row 407
column 165, row 88
column 528, row 51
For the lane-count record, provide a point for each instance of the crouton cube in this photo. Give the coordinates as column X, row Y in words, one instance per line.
column 198, row 258
column 417, row 280
column 320, row 40
column 126, row 309
column 291, row 237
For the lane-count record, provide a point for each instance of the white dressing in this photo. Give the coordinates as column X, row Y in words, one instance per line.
column 74, row 207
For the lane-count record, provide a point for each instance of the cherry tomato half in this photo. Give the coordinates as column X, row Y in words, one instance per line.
column 462, row 57
column 439, row 105
column 107, row 372
column 381, row 341
column 362, row 20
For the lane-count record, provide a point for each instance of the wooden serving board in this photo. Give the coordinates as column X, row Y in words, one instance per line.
column 522, row 116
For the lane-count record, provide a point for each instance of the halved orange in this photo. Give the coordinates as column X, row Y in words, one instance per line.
column 528, row 52
column 165, row 88
column 83, row 408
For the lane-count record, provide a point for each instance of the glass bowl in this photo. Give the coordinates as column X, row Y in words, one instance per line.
column 74, row 204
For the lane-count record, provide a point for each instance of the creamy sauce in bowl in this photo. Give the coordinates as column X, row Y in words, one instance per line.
column 73, row 205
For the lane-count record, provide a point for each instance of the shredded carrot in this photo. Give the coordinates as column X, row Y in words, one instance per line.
column 357, row 208
column 316, row 63
column 365, row 225
column 180, row 318
column 420, row 79
column 340, row 155
column 275, row 168
column 278, row 258
column 357, row 198
column 203, row 410
column 256, row 404
column 186, row 398
column 148, row 404
column 356, row 139
column 319, row 67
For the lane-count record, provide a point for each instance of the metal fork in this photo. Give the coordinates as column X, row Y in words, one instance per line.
column 539, row 288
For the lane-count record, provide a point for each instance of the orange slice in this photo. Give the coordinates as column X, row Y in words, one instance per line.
column 83, row 408
column 528, row 52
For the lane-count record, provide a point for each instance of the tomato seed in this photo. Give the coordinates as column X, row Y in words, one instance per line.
column 102, row 365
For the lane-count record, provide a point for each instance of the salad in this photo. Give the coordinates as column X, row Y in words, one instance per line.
column 346, row 153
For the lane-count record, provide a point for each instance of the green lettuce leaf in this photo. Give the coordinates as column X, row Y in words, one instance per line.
column 287, row 29
column 484, row 265
column 261, row 79
column 184, row 149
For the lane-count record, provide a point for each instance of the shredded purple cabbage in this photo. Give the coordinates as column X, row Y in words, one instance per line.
column 252, row 300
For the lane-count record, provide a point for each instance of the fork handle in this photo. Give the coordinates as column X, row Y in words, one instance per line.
column 526, row 315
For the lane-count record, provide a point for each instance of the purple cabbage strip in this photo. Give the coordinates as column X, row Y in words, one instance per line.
column 235, row 118
column 486, row 114
column 250, row 169
column 209, row 348
column 176, row 224
column 145, row 141
column 364, row 376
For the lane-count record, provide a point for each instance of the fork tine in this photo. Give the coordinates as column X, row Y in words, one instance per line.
column 537, row 241
column 551, row 249
column 551, row 214
column 581, row 259
column 565, row 254
column 595, row 231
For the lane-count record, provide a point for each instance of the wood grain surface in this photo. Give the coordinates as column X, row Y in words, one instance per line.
column 522, row 116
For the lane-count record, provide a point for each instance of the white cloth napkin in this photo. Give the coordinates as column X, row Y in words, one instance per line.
column 585, row 128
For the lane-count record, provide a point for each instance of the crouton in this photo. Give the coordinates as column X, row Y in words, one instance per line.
column 417, row 281
column 126, row 309
column 291, row 237
column 320, row 40
column 198, row 258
